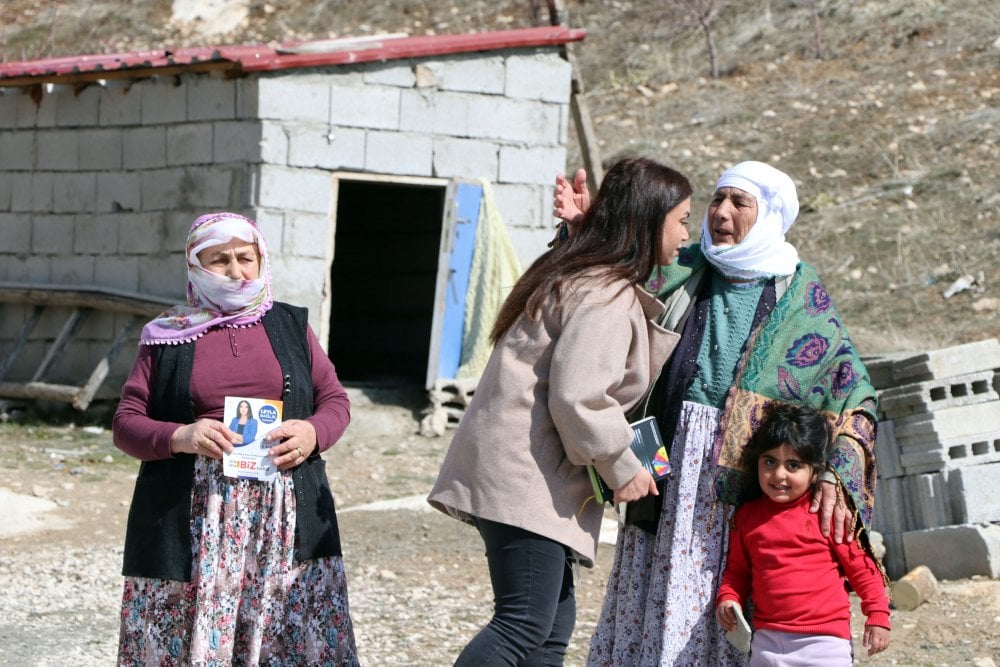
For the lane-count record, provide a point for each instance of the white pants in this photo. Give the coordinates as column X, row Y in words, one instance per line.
column 773, row 648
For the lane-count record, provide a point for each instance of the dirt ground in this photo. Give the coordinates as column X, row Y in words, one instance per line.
column 418, row 581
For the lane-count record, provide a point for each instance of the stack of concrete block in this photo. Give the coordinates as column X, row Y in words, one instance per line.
column 938, row 457
column 449, row 399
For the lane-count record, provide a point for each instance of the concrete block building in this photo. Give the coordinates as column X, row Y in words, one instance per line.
column 348, row 152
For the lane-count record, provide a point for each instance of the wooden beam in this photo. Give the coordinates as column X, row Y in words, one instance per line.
column 96, row 298
column 79, row 301
column 86, row 393
column 22, row 338
column 585, row 134
column 76, row 318
column 39, row 391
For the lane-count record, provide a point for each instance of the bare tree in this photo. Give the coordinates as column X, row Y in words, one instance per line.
column 555, row 11
column 817, row 29
column 702, row 13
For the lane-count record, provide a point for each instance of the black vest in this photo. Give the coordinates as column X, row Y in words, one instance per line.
column 158, row 534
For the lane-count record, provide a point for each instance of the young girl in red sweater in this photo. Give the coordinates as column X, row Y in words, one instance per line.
column 779, row 559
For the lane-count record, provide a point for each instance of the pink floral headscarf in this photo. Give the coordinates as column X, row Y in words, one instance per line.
column 214, row 299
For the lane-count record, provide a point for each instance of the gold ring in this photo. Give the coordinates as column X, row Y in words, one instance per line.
column 299, row 450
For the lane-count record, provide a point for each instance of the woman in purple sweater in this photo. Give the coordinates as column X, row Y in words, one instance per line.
column 220, row 570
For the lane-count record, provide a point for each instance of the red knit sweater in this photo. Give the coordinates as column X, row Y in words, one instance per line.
column 794, row 575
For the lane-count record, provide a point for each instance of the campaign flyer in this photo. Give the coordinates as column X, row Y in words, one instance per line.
column 251, row 419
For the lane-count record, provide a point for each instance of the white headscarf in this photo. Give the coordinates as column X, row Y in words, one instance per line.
column 763, row 252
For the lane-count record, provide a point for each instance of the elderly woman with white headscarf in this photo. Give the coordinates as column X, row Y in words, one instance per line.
column 221, row 569
column 757, row 326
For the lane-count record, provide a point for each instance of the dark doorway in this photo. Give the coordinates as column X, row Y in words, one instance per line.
column 386, row 249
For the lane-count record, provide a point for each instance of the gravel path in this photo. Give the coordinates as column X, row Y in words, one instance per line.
column 418, row 590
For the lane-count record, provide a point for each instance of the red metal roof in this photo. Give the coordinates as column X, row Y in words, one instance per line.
column 256, row 58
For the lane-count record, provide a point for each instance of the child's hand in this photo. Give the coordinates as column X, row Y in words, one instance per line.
column 726, row 612
column 876, row 638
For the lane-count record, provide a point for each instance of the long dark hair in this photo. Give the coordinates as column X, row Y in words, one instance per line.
column 619, row 232
column 805, row 430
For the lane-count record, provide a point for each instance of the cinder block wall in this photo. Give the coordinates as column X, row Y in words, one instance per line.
column 500, row 117
column 98, row 187
column 103, row 183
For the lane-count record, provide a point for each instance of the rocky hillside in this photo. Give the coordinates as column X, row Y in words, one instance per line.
column 886, row 112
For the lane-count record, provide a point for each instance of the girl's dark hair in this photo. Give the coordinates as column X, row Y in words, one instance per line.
column 804, row 429
column 620, row 232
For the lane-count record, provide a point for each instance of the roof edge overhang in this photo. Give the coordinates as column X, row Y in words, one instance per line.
column 238, row 60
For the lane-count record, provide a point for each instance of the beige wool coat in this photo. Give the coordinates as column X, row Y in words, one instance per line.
column 552, row 399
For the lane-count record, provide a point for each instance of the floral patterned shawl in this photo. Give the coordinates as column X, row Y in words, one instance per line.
column 801, row 354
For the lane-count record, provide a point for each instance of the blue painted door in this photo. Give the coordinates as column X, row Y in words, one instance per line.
column 457, row 245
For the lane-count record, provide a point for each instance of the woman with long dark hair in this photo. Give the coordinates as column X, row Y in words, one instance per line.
column 243, row 424
column 757, row 326
column 576, row 346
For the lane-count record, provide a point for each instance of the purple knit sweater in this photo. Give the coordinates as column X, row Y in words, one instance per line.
column 227, row 362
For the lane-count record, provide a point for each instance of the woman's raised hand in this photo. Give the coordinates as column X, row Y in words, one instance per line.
column 638, row 487
column 571, row 200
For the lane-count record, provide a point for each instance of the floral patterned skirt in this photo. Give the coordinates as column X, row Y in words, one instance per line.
column 659, row 608
column 247, row 603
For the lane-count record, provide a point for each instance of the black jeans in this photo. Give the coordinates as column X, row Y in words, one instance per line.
column 534, row 601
